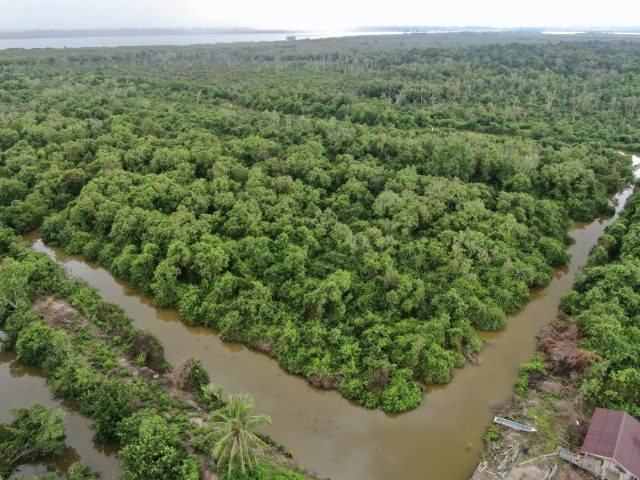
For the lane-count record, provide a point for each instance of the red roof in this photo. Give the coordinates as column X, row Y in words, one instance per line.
column 615, row 435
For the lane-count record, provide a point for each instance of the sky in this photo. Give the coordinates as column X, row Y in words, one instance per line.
column 324, row 15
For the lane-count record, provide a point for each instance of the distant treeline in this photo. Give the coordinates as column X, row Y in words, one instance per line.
column 544, row 88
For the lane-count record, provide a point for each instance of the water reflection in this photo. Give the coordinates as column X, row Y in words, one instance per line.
column 23, row 385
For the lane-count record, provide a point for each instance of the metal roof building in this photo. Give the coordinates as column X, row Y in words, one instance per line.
column 613, row 442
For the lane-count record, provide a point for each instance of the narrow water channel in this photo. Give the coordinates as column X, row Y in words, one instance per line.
column 21, row 386
column 440, row 440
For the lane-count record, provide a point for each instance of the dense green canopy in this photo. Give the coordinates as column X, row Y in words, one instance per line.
column 324, row 202
column 605, row 304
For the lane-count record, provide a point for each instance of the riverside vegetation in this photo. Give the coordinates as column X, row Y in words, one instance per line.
column 604, row 306
column 355, row 208
column 171, row 423
column 358, row 250
column 589, row 356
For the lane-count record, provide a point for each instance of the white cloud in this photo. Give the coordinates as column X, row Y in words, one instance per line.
column 320, row 15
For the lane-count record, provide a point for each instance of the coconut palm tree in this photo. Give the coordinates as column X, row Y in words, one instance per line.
column 235, row 444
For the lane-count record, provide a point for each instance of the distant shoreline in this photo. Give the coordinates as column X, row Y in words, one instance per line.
column 53, row 39
column 133, row 32
column 147, row 38
column 140, row 32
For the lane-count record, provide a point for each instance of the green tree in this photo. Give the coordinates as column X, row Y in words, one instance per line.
column 14, row 277
column 112, row 403
column 153, row 450
column 33, row 343
column 36, row 432
column 236, row 445
column 165, row 283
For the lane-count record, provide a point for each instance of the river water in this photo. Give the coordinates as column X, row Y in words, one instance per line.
column 442, row 439
column 23, row 385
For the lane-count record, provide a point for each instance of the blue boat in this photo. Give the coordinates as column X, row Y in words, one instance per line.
column 515, row 425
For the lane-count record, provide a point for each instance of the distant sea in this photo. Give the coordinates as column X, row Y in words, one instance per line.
column 172, row 39
column 210, row 38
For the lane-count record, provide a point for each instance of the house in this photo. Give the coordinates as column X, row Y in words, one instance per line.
column 611, row 449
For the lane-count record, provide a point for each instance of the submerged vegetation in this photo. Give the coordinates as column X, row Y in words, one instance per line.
column 313, row 200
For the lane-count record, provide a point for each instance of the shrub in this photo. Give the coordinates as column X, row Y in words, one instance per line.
column 92, row 249
column 152, row 450
column 190, row 375
column 112, row 319
column 112, row 403
column 81, row 471
column 85, row 299
column 210, row 397
column 33, row 343
column 493, row 434
column 536, row 366
column 487, row 316
column 145, row 345
column 16, row 323
column 521, row 388
column 59, row 352
column 529, row 372
column 553, row 250
column 76, row 380
column 403, row 393
column 436, row 364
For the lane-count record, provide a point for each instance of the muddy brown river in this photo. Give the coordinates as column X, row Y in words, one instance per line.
column 441, row 440
column 23, row 385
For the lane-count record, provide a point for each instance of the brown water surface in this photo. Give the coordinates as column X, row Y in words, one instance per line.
column 21, row 386
column 440, row 440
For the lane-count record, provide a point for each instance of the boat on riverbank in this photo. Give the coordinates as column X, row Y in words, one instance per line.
column 514, row 425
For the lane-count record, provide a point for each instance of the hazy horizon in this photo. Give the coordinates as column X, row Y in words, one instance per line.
column 331, row 15
column 363, row 29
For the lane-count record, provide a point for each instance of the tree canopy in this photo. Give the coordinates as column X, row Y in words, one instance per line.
column 356, row 209
column 36, row 433
column 605, row 304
